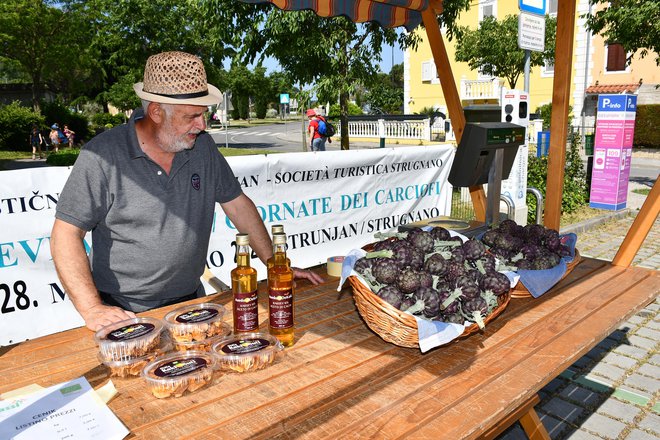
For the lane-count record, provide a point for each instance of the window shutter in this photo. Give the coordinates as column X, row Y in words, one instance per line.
column 616, row 58
column 427, row 71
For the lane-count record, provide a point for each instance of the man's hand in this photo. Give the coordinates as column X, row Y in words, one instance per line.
column 101, row 315
column 309, row 275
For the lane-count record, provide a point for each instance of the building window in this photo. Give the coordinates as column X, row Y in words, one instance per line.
column 616, row 58
column 487, row 8
column 429, row 71
column 549, row 67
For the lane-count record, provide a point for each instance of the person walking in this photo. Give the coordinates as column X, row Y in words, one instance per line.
column 317, row 139
column 147, row 191
column 69, row 135
column 54, row 137
column 35, row 141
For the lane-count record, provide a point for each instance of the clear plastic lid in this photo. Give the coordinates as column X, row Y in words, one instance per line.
column 134, row 366
column 130, row 338
column 195, row 322
column 178, row 372
column 206, row 344
column 247, row 351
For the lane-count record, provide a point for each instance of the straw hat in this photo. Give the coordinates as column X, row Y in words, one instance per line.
column 176, row 78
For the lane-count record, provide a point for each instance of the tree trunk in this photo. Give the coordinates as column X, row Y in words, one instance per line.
column 343, row 117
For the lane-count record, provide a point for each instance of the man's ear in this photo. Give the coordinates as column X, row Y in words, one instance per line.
column 155, row 112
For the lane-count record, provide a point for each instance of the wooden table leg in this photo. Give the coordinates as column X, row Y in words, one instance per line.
column 526, row 415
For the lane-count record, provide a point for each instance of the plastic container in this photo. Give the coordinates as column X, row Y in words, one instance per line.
column 134, row 366
column 247, row 352
column 206, row 344
column 131, row 338
column 173, row 374
column 195, row 322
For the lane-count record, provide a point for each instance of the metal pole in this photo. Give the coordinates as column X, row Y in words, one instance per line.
column 226, row 121
column 586, row 77
column 527, row 68
column 494, row 189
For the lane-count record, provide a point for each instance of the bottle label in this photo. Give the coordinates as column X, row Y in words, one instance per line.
column 246, row 312
column 280, row 308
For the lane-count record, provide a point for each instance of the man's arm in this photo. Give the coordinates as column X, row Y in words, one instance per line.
column 243, row 214
column 72, row 265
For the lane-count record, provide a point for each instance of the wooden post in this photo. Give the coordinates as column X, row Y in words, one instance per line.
column 639, row 229
column 452, row 98
column 559, row 118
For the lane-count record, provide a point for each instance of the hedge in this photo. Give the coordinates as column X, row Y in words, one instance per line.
column 647, row 121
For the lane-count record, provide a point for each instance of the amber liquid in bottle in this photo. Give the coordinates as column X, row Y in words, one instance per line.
column 244, row 289
column 280, row 293
column 276, row 229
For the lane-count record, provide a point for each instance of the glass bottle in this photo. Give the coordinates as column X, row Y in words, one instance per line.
column 244, row 289
column 275, row 229
column 280, row 293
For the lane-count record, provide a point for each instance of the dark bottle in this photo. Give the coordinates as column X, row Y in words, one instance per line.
column 244, row 289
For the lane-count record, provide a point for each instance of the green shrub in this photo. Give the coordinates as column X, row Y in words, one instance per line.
column 64, row 157
column 576, row 191
column 57, row 112
column 105, row 119
column 647, row 121
column 545, row 111
column 16, row 123
column 353, row 110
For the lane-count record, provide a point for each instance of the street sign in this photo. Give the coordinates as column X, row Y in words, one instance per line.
column 284, row 98
column 533, row 6
column 531, row 32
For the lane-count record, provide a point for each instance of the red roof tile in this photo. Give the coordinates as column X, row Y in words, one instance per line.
column 612, row 88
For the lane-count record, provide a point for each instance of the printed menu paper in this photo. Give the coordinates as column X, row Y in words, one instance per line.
column 69, row 410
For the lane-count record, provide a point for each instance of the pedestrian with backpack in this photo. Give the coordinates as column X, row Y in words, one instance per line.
column 319, row 130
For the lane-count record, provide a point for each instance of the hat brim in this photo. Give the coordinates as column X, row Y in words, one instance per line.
column 214, row 97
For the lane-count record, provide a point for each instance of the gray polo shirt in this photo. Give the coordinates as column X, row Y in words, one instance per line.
column 150, row 230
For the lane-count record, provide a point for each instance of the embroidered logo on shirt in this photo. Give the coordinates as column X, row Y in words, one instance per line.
column 196, row 181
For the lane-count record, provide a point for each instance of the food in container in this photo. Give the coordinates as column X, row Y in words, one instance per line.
column 204, row 345
column 134, row 366
column 173, row 374
column 131, row 338
column 196, row 322
column 247, row 351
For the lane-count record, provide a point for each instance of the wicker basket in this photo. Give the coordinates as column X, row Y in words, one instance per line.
column 520, row 291
column 398, row 327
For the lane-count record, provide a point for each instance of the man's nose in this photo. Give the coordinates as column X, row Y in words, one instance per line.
column 200, row 123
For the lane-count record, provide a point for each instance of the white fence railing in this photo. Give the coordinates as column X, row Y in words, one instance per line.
column 420, row 129
column 481, row 88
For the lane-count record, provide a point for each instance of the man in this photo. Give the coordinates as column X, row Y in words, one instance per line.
column 147, row 191
column 317, row 139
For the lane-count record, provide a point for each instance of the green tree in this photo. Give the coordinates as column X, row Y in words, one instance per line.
column 43, row 39
column 384, row 96
column 634, row 24
column 334, row 55
column 121, row 93
column 493, row 48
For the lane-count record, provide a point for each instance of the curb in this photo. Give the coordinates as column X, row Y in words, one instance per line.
column 591, row 223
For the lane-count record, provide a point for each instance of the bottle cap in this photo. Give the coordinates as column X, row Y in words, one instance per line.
column 279, row 238
column 242, row 239
column 277, row 229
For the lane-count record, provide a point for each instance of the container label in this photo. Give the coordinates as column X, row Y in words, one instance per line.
column 240, row 346
column 131, row 331
column 246, row 312
column 280, row 308
column 180, row 367
column 197, row 315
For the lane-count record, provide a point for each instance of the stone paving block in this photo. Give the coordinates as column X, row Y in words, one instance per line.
column 633, row 352
column 555, row 427
column 635, row 395
column 603, row 426
column 636, row 434
column 642, row 342
column 655, row 325
column 598, row 352
column 648, row 333
column 644, row 383
column 619, row 360
column 584, row 363
column 554, row 385
column 651, row 422
column 624, row 412
column 635, row 320
column 563, row 410
column 608, row 344
column 581, row 435
column 609, row 371
column 583, row 396
column 649, row 370
column 655, row 359
column 514, row 432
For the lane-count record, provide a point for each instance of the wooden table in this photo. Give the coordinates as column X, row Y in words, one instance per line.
column 340, row 380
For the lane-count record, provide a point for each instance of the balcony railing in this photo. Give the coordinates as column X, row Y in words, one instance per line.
column 472, row 89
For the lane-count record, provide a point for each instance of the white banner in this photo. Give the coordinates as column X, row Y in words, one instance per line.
column 329, row 203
